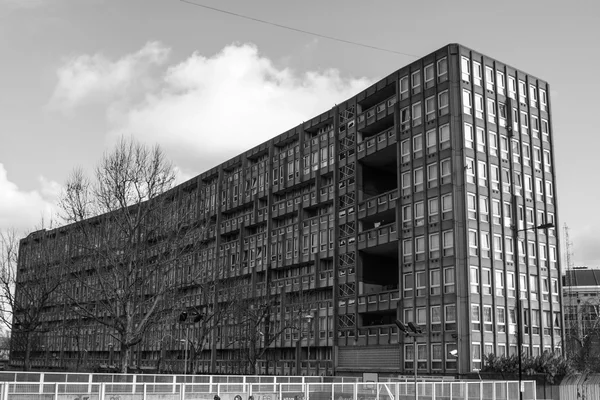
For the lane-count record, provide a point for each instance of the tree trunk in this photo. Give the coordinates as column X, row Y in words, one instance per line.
column 27, row 360
column 125, row 355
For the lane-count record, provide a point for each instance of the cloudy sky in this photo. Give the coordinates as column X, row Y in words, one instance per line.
column 76, row 74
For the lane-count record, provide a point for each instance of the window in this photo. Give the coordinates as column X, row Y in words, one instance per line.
column 493, row 138
column 500, row 82
column 445, row 167
column 535, row 126
column 451, row 361
column 471, row 206
column 522, row 92
column 524, row 123
column 405, row 150
column 432, row 208
column 418, row 146
column 473, row 243
column 407, row 216
column 469, row 136
column 436, row 318
column 486, row 281
column 434, row 283
column 526, row 155
column 487, row 319
column 444, row 136
column 430, row 108
column 407, row 250
column 405, row 177
column 496, row 211
column 419, row 214
column 477, row 73
column 450, row 317
column 443, row 103
column 549, row 192
column 419, row 249
column 491, row 110
column 418, row 177
column 470, row 167
column 465, row 67
column 502, row 114
column 409, row 356
column 408, row 286
column 404, row 87
column 482, row 173
column 474, row 279
column 467, row 104
column 432, row 175
column 489, row 78
column 442, row 69
column 478, row 106
column 515, row 118
column 545, row 131
column 449, row 280
column 533, row 98
column 475, row 317
column 498, row 245
column 500, row 319
column 421, row 285
column 416, row 114
column 495, row 177
column 480, row 139
column 512, row 87
column 431, row 141
column 448, row 243
column 510, row 282
column 543, row 100
column 434, row 245
column 416, row 82
column 545, row 289
column 523, row 286
column 547, row 161
column 404, row 118
column 436, row 356
column 476, row 351
column 447, row 206
column 429, row 76
column 533, row 287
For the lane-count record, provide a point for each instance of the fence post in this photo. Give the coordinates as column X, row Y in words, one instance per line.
column 101, row 391
column 182, row 389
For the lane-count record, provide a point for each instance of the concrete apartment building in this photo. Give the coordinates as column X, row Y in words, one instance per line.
column 401, row 203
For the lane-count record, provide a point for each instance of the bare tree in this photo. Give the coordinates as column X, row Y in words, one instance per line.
column 25, row 296
column 130, row 230
column 582, row 331
column 256, row 322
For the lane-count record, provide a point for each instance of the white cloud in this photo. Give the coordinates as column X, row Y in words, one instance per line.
column 94, row 78
column 203, row 109
column 25, row 210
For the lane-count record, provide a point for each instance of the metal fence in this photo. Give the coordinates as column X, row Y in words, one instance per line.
column 440, row 390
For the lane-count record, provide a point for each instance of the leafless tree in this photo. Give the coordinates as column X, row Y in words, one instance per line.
column 582, row 328
column 256, row 322
column 25, row 296
column 130, row 230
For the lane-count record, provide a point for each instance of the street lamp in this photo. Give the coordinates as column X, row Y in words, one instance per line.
column 308, row 318
column 414, row 332
column 515, row 232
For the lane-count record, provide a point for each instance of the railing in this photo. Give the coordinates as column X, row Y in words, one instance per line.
column 300, row 388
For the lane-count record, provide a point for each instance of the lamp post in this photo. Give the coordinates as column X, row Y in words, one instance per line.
column 414, row 332
column 308, row 318
column 186, row 341
column 519, row 305
column 515, row 237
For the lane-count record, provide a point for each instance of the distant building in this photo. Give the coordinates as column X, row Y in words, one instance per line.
column 581, row 297
column 397, row 204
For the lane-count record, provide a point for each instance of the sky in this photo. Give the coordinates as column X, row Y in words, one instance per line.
column 75, row 75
